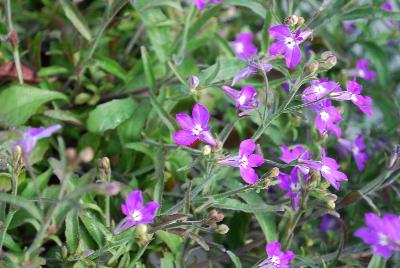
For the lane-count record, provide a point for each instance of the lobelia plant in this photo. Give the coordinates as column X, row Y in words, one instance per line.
column 153, row 166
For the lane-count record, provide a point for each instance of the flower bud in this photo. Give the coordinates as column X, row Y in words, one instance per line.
column 216, row 215
column 222, row 229
column 301, row 21
column 207, row 150
column 194, row 82
column 16, row 154
column 142, row 229
column 86, row 155
column 313, row 179
column 274, row 172
column 110, row 189
column 328, row 60
column 13, row 38
column 313, row 67
column 105, row 163
column 292, row 20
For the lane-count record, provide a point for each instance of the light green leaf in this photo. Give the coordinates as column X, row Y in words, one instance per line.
column 235, row 259
column 52, row 71
column 111, row 66
column 72, row 230
column 110, row 115
column 65, row 116
column 19, row 102
column 73, row 14
column 233, row 204
column 22, row 202
column 252, row 5
column 172, row 240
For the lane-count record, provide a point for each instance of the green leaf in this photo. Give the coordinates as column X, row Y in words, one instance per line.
column 93, row 226
column 72, row 230
column 52, row 71
column 252, row 5
column 377, row 262
column 19, row 102
column 173, row 241
column 130, row 130
column 5, row 182
column 65, row 116
column 73, row 14
column 110, row 115
column 235, row 259
column 148, row 70
column 227, row 69
column 22, row 202
column 41, row 180
column 167, row 261
column 233, row 204
column 111, row 66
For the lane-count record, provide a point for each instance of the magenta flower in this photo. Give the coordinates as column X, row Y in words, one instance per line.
column 276, row 257
column 243, row 46
column 358, row 149
column 287, row 44
column 32, row 135
column 244, row 99
column 382, row 234
column 353, row 93
column 328, row 222
column 136, row 212
column 195, row 128
column 363, row 71
column 291, row 184
column 246, row 161
column 201, row 4
column 297, row 153
column 318, row 90
column 328, row 168
column 252, row 68
column 327, row 118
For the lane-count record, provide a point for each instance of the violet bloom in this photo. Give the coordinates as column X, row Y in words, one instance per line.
column 328, row 168
column 358, row 149
column 328, row 222
column 318, row 90
column 243, row 46
column 327, row 117
column 286, row 85
column 349, row 27
column 388, row 7
column 201, row 4
column 136, row 212
column 287, row 44
column 252, row 69
column 195, row 128
column 246, row 161
column 276, row 257
column 353, row 93
column 382, row 234
column 244, row 99
column 32, row 135
column 363, row 71
column 291, row 184
column 296, row 153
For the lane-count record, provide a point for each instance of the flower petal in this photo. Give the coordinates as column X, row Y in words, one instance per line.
column 200, row 115
column 184, row 137
column 184, row 121
column 256, row 160
column 293, row 57
column 249, row 175
column 279, row 31
column 134, row 201
column 247, row 147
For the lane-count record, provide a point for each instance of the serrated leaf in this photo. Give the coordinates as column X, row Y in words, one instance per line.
column 73, row 14
column 19, row 102
column 110, row 115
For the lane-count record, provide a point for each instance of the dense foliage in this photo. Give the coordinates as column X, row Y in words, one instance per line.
column 180, row 133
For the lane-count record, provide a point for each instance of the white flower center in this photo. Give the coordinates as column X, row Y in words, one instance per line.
column 356, row 150
column 239, row 47
column 290, row 42
column 361, row 73
column 136, row 215
column 275, row 261
column 295, row 187
column 242, row 99
column 326, row 169
column 354, row 97
column 244, row 161
column 324, row 115
column 318, row 89
column 197, row 130
column 383, row 239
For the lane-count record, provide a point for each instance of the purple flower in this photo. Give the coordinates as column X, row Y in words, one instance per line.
column 327, row 117
column 328, row 168
column 252, row 68
column 349, row 27
column 363, row 71
column 387, row 6
column 286, row 85
column 32, row 135
column 328, row 222
column 287, row 44
column 246, row 161
column 382, row 234
column 353, row 93
column 291, row 184
column 276, row 257
column 297, row 153
column 358, row 149
column 244, row 99
column 201, row 4
column 243, row 46
column 318, row 90
column 136, row 212
column 195, row 128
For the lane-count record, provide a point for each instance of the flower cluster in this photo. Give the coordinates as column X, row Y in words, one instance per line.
column 276, row 257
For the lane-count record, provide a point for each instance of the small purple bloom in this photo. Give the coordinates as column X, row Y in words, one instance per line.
column 318, row 90
column 194, row 128
column 252, row 68
column 328, row 222
column 296, row 153
column 358, row 149
column 194, row 81
column 349, row 27
column 286, row 85
column 32, row 135
column 353, row 93
column 276, row 257
column 136, row 212
column 201, row 4
column 244, row 99
column 243, row 46
column 287, row 44
column 328, row 168
column 363, row 71
column 382, row 234
column 246, row 161
column 326, row 118
column 291, row 184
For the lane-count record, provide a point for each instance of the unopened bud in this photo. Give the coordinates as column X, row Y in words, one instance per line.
column 143, row 235
column 110, row 189
column 207, row 150
column 274, row 172
column 16, row 153
column 301, row 21
column 328, row 60
column 82, row 98
column 71, row 154
column 331, row 204
column 52, row 230
column 313, row 67
column 313, row 179
column 104, row 163
column 292, row 20
column 142, row 229
column 13, row 38
column 87, row 154
column 194, row 82
column 222, row 229
column 216, row 215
